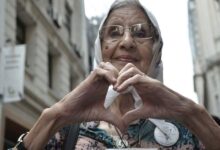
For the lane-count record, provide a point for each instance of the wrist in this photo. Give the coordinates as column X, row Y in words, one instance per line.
column 191, row 112
column 20, row 143
column 45, row 127
column 192, row 115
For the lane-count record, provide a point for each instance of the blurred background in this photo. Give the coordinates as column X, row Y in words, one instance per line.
column 58, row 38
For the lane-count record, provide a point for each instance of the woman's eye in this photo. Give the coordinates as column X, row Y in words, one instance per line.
column 114, row 32
column 140, row 34
column 140, row 31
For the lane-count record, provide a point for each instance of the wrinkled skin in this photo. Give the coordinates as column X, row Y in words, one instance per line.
column 126, row 63
column 158, row 100
column 86, row 102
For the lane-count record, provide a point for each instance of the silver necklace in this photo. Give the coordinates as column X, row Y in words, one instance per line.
column 120, row 142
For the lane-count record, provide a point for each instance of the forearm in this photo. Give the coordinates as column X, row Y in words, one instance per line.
column 196, row 119
column 203, row 126
column 47, row 125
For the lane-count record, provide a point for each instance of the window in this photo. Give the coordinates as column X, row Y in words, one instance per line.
column 50, row 70
column 217, row 8
column 217, row 102
column 20, row 32
column 217, row 4
column 214, row 82
column 54, row 10
column 21, row 37
column 25, row 35
column 68, row 14
column 53, row 66
column 50, row 8
column 71, row 81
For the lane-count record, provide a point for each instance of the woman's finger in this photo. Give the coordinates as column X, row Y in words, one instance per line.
column 108, row 66
column 109, row 76
column 127, row 74
column 126, row 67
column 131, row 81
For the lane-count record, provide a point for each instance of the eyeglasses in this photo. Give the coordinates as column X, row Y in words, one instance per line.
column 114, row 33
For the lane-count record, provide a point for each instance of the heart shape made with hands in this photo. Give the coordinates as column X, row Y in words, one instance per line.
column 165, row 133
column 111, row 96
column 124, row 81
column 130, row 76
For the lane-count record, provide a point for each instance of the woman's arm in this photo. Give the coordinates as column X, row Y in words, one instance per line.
column 171, row 105
column 203, row 126
column 161, row 102
column 47, row 125
column 196, row 118
column 84, row 103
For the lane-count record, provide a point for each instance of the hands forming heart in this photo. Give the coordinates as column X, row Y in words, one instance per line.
column 86, row 101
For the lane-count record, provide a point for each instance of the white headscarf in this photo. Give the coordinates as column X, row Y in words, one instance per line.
column 156, row 66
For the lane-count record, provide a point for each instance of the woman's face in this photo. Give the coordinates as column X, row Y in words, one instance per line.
column 127, row 49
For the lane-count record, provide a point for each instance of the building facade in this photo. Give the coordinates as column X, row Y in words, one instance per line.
column 54, row 33
column 93, row 24
column 204, row 31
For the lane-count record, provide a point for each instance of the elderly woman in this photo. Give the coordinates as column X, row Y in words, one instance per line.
column 122, row 95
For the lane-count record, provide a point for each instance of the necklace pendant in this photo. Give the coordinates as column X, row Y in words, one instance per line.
column 167, row 134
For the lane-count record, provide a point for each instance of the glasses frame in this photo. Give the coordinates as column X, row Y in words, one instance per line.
column 101, row 33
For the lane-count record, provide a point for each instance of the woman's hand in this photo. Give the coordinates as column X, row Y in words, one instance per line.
column 161, row 102
column 86, row 101
column 158, row 100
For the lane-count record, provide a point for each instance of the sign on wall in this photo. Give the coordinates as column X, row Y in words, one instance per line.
column 13, row 62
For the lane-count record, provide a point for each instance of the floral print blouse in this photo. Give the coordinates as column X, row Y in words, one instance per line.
column 139, row 135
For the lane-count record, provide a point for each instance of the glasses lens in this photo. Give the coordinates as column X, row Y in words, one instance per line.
column 112, row 33
column 141, row 31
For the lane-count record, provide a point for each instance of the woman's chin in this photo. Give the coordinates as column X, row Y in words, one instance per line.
column 120, row 64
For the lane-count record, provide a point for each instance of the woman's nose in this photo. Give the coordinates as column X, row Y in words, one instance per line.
column 127, row 41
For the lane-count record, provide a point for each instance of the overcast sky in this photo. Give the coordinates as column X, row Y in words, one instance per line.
column 172, row 16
